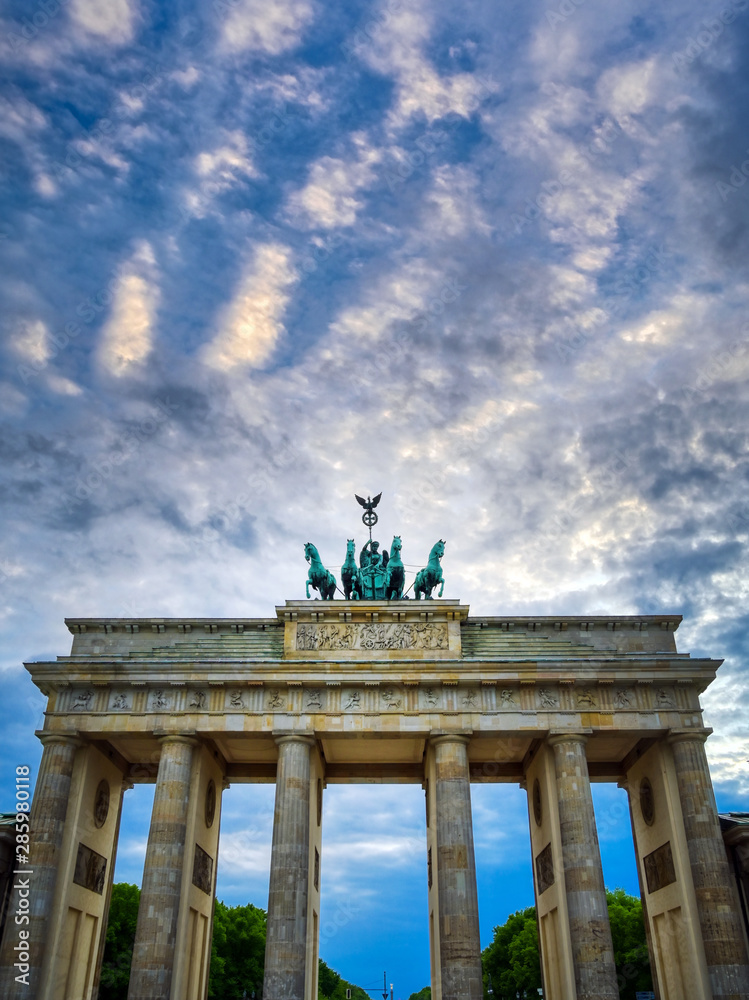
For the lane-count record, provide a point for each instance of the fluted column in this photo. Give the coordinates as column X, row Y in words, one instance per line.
column 722, row 934
column 37, row 888
column 156, row 931
column 126, row 786
column 626, row 785
column 460, row 950
column 590, row 932
column 286, row 940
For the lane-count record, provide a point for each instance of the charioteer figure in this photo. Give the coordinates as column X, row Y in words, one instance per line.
column 373, row 569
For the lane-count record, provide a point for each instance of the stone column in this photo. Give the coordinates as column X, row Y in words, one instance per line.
column 626, row 785
column 590, row 933
column 47, row 824
column 156, row 931
column 460, row 950
column 720, row 924
column 126, row 786
column 286, row 940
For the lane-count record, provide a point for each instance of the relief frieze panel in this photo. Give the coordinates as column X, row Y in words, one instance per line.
column 372, row 636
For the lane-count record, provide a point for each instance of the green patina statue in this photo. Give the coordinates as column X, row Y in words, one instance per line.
column 373, row 571
column 428, row 578
column 380, row 576
column 318, row 578
column 351, row 574
column 396, row 572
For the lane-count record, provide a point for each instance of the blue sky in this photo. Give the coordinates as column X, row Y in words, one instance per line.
column 487, row 258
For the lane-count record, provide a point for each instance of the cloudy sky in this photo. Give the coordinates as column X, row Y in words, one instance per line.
column 488, row 258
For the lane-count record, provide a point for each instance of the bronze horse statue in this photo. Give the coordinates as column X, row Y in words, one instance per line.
column 396, row 572
column 351, row 574
column 428, row 578
column 321, row 579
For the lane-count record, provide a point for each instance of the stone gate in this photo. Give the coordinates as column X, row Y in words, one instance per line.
column 376, row 691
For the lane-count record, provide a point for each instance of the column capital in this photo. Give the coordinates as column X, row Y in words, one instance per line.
column 280, row 738
column 553, row 739
column 439, row 736
column 167, row 739
column 688, row 735
column 64, row 739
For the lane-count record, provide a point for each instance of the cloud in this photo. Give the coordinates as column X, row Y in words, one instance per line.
column 251, row 324
column 32, row 342
column 219, row 169
column 465, row 256
column 252, row 25
column 628, row 89
column 396, row 49
column 113, row 21
column 328, row 200
column 128, row 334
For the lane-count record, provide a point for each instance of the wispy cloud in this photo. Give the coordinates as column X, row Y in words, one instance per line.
column 488, row 259
column 251, row 325
column 253, row 25
column 128, row 334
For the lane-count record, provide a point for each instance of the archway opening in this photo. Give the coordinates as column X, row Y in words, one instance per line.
column 373, row 908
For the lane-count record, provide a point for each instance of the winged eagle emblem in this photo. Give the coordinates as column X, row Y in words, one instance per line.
column 369, row 503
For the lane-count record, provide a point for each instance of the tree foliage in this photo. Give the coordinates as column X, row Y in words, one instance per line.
column 118, row 949
column 237, row 952
column 330, row 986
column 511, row 962
column 512, row 965
column 423, row 994
column 630, row 944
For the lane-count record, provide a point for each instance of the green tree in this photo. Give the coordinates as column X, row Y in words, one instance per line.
column 423, row 994
column 237, row 952
column 330, row 985
column 630, row 944
column 511, row 962
column 118, row 949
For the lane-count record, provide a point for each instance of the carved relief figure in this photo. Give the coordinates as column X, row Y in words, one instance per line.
column 372, row 635
column 83, row 699
column 314, row 700
column 120, row 700
column 663, row 699
column 159, row 700
column 275, row 700
column 235, row 699
column 547, row 699
column 354, row 700
column 431, row 697
column 586, row 699
column 391, row 699
column 622, row 699
column 198, row 699
column 469, row 699
column 507, row 698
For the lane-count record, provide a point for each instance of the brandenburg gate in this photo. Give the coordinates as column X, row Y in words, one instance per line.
column 358, row 690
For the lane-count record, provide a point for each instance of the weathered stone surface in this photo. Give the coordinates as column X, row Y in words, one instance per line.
column 722, row 933
column 345, row 691
column 47, row 823
column 590, row 933
column 460, row 953
column 286, row 940
column 156, row 932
